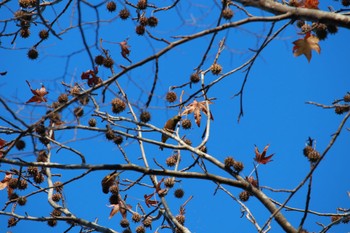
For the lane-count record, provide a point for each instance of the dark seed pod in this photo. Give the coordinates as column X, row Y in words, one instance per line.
column 124, row 14
column 32, row 54
column 179, row 193
column 111, row 6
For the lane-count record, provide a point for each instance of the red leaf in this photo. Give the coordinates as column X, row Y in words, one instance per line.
column 2, row 143
column 261, row 157
column 150, row 202
column 39, row 94
column 90, row 75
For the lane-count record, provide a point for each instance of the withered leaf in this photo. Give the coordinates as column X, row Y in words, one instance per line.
column 125, row 50
column 150, row 202
column 196, row 107
column 306, row 45
column 261, row 157
column 115, row 210
column 38, row 94
column 5, row 181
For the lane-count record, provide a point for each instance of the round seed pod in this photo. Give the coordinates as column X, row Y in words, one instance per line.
column 23, row 184
column 32, row 54
column 143, row 20
column 140, row 30
column 244, row 196
column 140, row 229
column 20, row 145
column 56, row 197
column 171, row 97
column 118, row 105
column 24, row 32
column 238, row 166
column 145, row 116
column 39, row 178
column 216, row 69
column 141, row 4
column 169, row 182
column 124, row 223
column 11, row 222
column 147, row 222
column 44, row 34
column 111, row 6
column 118, row 139
column 229, row 162
column 124, row 14
column 22, row 201
column 152, row 21
column 108, row 62
column 186, row 124
column 227, row 13
column 62, row 98
column 136, row 217
column 52, row 222
column 179, row 193
column 92, row 122
column 99, row 60
column 195, row 78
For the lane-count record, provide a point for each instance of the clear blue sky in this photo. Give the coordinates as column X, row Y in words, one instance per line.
column 275, row 113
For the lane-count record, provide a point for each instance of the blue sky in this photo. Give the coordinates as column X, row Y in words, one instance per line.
column 275, row 113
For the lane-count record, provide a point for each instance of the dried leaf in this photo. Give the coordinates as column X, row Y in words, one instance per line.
column 5, row 181
column 39, row 94
column 196, row 107
column 150, row 202
column 125, row 49
column 305, row 45
column 2, row 143
column 91, row 76
column 261, row 157
column 311, row 4
column 115, row 210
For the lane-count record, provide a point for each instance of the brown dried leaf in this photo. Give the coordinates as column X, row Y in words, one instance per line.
column 115, row 210
column 306, row 45
column 5, row 181
column 125, row 49
column 196, row 107
column 261, row 157
column 39, row 94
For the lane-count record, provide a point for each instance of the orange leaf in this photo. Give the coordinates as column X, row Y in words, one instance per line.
column 125, row 49
column 196, row 107
column 306, row 45
column 39, row 94
column 261, row 157
column 5, row 181
column 311, row 4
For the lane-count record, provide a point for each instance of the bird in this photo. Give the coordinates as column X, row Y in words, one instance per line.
column 170, row 127
column 108, row 181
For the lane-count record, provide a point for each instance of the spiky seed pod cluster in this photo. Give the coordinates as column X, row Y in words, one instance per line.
column 111, row 6
column 181, row 219
column 124, row 223
column 56, row 213
column 27, row 3
column 179, row 193
column 140, row 229
column 56, row 197
column 32, row 170
column 52, row 222
column 321, row 31
column 62, row 98
column 99, row 59
column 22, row 185
column 108, row 62
column 347, row 96
column 58, row 186
column 169, row 182
column 194, row 78
column 311, row 154
column 345, row 3
column 171, row 97
column 22, row 201
column 13, row 183
column 238, row 166
column 24, row 32
column 110, row 134
column 75, row 90
column 227, row 13
column 340, row 109
column 92, row 122
column 12, row 222
column 142, row 4
column 171, row 160
column 136, row 217
column 140, row 30
column 20, row 145
column 113, row 199
column 44, row 34
column 143, row 20
column 152, row 21
column 124, row 14
column 147, row 222
column 145, row 116
column 229, row 161
column 244, row 196
column 216, row 69
column 300, row 23
column 332, row 28
column 118, row 139
column 186, row 124
column 39, row 178
column 32, row 54
column 118, row 105
column 42, row 156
